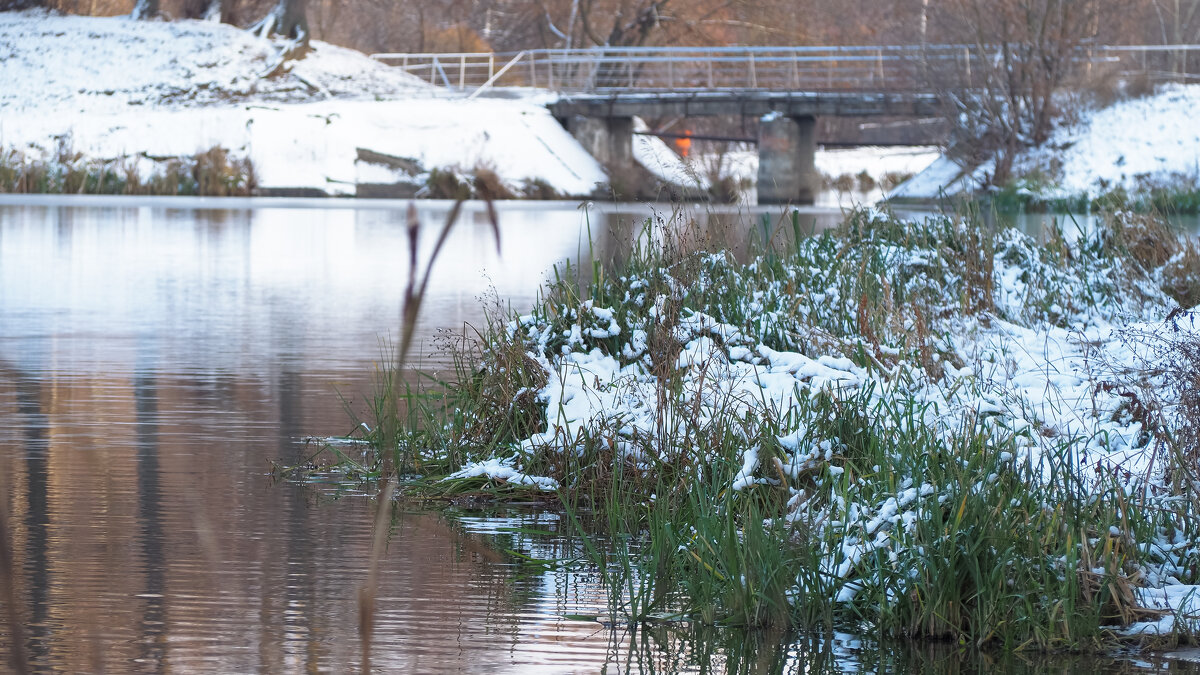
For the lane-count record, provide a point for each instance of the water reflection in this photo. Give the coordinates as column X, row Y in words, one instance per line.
column 156, row 355
column 700, row 649
column 37, row 510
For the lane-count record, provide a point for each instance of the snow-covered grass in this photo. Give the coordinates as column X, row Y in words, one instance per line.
column 944, row 430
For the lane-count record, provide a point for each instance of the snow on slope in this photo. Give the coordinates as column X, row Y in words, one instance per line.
column 1145, row 142
column 112, row 87
column 1136, row 144
column 95, row 64
column 314, row 145
column 942, row 176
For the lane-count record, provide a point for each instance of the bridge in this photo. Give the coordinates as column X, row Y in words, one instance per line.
column 601, row 90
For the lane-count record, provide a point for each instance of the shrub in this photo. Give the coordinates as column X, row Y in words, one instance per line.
column 210, row 173
column 540, row 189
column 489, row 186
column 866, row 182
column 446, row 184
column 216, row 174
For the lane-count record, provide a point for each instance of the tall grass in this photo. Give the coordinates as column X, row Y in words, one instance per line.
column 400, row 424
column 213, row 172
column 893, row 487
column 986, row 550
column 389, row 435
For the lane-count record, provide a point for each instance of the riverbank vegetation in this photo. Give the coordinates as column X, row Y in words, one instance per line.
column 211, row 173
column 863, row 181
column 1034, row 193
column 927, row 429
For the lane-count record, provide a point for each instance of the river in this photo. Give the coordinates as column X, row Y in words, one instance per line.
column 156, row 355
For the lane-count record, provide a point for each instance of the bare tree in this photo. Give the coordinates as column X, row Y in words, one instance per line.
column 145, row 9
column 288, row 19
column 1020, row 54
column 1179, row 23
column 208, row 10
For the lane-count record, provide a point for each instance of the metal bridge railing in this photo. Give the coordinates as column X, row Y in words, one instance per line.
column 896, row 68
column 458, row 70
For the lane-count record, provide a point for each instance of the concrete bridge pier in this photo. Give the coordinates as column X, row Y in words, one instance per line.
column 610, row 141
column 787, row 171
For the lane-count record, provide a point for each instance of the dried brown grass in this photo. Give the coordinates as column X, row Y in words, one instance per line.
column 489, row 186
column 503, row 388
column 978, row 271
column 217, row 174
column 1152, row 243
column 1181, row 276
column 1162, row 393
column 1148, row 239
column 1113, row 589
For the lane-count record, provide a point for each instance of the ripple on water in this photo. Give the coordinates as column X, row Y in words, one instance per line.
column 154, row 360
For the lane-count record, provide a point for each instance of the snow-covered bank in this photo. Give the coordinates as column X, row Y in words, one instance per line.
column 112, row 87
column 315, row 145
column 67, row 65
column 893, row 392
column 943, row 177
column 115, row 89
column 1133, row 145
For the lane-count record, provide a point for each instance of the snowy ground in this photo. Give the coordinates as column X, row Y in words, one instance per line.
column 1139, row 143
column 943, row 176
column 314, row 145
column 108, row 87
column 1135, row 144
column 68, row 65
column 112, row 87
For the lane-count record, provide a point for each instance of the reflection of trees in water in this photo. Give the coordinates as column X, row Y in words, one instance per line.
column 64, row 226
column 152, row 624
column 446, row 585
column 688, row 229
column 215, row 221
column 676, row 647
column 301, row 602
column 37, row 513
column 12, row 619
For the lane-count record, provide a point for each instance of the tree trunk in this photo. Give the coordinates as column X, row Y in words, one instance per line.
column 208, row 10
column 144, row 9
column 288, row 20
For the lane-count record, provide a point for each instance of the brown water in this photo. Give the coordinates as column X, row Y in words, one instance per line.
column 157, row 355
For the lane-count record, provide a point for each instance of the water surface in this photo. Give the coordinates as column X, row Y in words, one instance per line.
column 156, row 355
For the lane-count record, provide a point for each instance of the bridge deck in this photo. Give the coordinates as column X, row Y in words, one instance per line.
column 756, row 103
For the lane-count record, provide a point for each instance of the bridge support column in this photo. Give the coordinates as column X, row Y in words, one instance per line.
column 610, row 141
column 787, row 171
